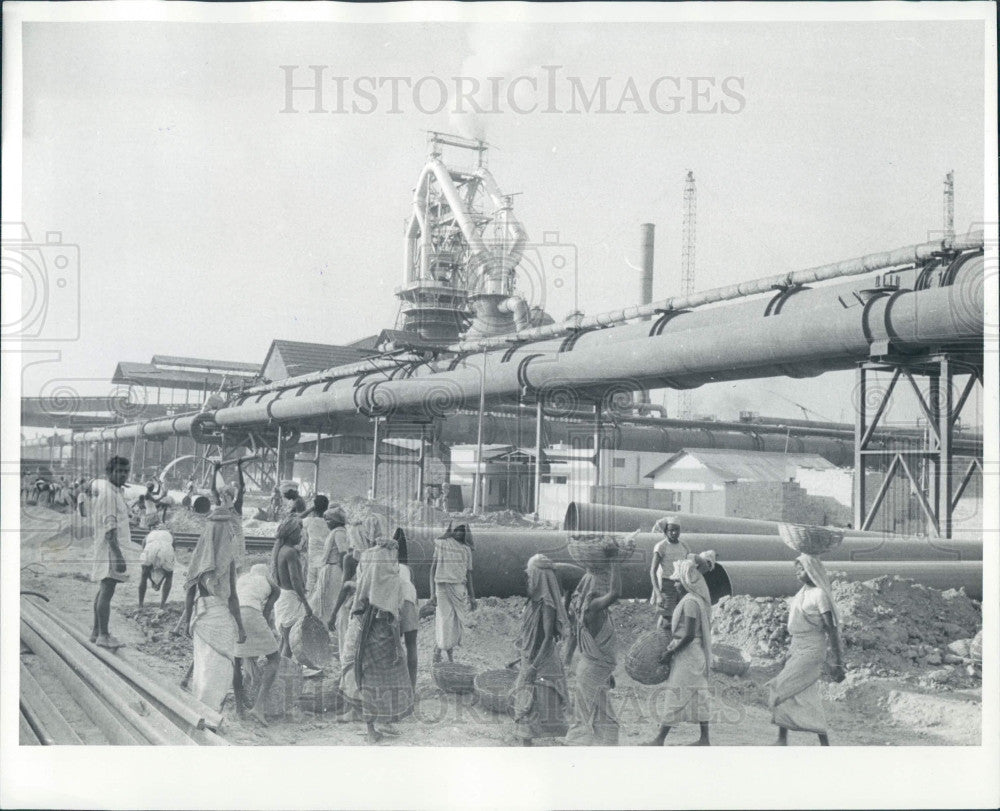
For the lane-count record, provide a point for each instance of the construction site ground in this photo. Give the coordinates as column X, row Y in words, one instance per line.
column 903, row 687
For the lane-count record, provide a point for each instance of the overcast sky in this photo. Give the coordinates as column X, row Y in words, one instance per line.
column 210, row 223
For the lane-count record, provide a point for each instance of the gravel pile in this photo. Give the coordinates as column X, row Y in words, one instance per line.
column 889, row 624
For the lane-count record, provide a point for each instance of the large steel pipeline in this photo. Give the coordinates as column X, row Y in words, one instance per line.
column 793, row 343
column 771, row 579
column 584, row 517
column 501, row 555
column 901, row 257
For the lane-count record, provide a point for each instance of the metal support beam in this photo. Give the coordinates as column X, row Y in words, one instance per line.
column 539, row 411
column 930, row 469
column 375, row 460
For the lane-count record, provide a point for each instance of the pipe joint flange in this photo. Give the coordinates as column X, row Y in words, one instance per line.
column 522, row 373
column 204, row 429
column 785, row 292
column 665, row 317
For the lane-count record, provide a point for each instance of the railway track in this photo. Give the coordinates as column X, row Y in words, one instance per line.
column 187, row 540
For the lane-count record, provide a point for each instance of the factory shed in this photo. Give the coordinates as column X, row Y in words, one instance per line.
column 291, row 358
column 802, row 487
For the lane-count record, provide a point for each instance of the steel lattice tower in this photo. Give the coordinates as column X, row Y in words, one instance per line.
column 687, row 265
column 949, row 204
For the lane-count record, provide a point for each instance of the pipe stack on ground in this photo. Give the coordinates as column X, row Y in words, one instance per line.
column 126, row 705
column 758, row 565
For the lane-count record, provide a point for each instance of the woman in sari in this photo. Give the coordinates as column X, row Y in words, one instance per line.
column 329, row 570
column 452, row 589
column 690, row 654
column 812, row 617
column 594, row 720
column 212, row 610
column 540, row 693
column 374, row 667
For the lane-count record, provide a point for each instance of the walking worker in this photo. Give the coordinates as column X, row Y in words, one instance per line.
column 540, row 693
column 314, row 532
column 452, row 589
column 329, row 567
column 375, row 672
column 664, row 595
column 212, row 610
column 157, row 561
column 594, row 719
column 109, row 516
column 812, row 618
column 286, row 571
column 690, row 654
column 257, row 595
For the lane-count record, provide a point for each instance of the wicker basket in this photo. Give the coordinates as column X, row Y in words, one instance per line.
column 598, row 551
column 495, row 690
column 642, row 660
column 453, row 677
column 310, row 642
column 810, row 540
column 730, row 660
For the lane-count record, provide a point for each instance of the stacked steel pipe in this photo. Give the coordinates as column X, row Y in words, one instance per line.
column 128, row 706
column 751, row 554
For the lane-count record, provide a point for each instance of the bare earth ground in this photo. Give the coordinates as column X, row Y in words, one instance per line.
column 910, row 707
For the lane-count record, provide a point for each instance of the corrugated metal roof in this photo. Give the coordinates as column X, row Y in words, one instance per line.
column 300, row 358
column 204, row 363
column 370, row 342
column 761, row 466
column 146, row 374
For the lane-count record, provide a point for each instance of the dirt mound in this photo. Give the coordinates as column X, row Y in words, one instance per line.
column 889, row 624
column 157, row 625
column 500, row 518
column 183, row 520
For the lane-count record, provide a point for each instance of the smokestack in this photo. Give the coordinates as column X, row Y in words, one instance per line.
column 646, row 250
column 646, row 242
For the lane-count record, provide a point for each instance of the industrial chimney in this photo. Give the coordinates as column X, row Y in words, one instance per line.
column 646, row 241
column 646, row 274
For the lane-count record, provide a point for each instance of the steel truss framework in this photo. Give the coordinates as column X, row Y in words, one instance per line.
column 931, row 470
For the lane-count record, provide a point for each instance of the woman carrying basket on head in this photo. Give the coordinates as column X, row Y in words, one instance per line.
column 812, row 617
column 594, row 720
column 540, row 694
column 690, row 654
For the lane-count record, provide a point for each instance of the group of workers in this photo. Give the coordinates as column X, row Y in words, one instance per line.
column 360, row 587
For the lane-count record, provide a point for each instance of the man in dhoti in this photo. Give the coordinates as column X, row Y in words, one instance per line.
column 111, row 532
column 212, row 610
column 291, row 605
column 452, row 589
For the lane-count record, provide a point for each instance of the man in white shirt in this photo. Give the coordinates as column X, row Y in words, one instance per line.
column 111, row 532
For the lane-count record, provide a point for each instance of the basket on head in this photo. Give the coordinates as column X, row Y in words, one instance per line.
column 642, row 662
column 597, row 551
column 810, row 540
column 310, row 642
column 495, row 690
column 730, row 660
column 453, row 677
